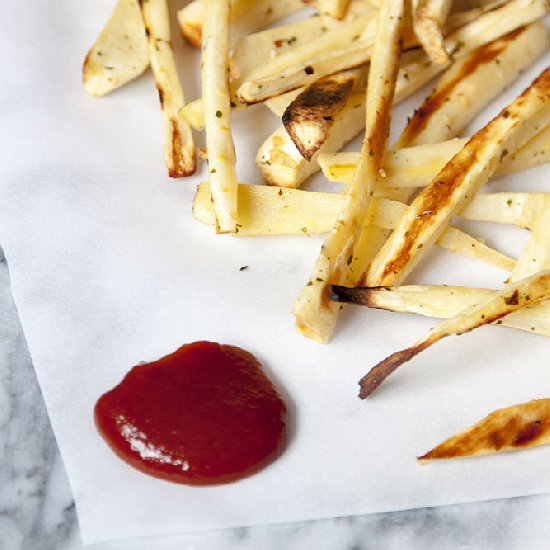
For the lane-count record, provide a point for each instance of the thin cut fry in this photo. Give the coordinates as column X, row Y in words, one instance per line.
column 490, row 69
column 417, row 166
column 120, row 52
column 215, row 90
column 452, row 189
column 428, row 20
column 298, row 70
column 510, row 429
column 267, row 210
column 513, row 297
column 179, row 150
column 443, row 302
column 315, row 316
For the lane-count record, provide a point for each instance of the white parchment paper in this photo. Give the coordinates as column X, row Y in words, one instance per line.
column 108, row 269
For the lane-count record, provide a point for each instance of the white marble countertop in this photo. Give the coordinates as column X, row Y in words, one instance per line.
column 37, row 510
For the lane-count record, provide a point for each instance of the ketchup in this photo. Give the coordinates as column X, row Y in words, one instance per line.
column 202, row 415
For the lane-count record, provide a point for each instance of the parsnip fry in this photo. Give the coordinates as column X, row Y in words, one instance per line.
column 428, row 20
column 513, row 297
column 246, row 16
column 510, row 429
column 443, row 302
column 267, row 210
column 315, row 316
column 215, row 91
column 309, row 117
column 179, row 150
column 255, row 50
column 281, row 163
column 454, row 187
column 417, row 166
column 490, row 69
column 120, row 52
column 314, row 59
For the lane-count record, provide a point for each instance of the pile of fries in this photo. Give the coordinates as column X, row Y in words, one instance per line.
column 330, row 76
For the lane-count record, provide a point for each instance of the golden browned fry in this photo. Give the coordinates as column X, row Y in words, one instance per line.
column 417, row 166
column 179, row 149
column 454, row 187
column 512, row 298
column 120, row 52
column 490, row 69
column 315, row 315
column 309, row 117
column 510, row 429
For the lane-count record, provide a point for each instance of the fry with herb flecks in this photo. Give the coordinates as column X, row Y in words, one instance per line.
column 217, row 116
column 120, row 52
column 179, row 149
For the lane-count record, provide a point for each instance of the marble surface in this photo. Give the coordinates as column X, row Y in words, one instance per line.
column 37, row 511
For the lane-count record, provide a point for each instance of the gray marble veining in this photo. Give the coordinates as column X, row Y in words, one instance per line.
column 37, row 511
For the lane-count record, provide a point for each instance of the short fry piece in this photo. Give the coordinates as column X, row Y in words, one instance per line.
column 309, row 117
column 489, row 68
column 512, row 298
column 510, row 429
column 215, row 91
column 179, row 150
column 428, row 20
column 120, row 52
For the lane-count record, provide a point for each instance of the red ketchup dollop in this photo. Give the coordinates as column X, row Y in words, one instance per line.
column 202, row 415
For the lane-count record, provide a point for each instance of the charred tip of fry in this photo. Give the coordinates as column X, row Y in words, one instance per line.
column 374, row 378
column 344, row 294
column 308, row 118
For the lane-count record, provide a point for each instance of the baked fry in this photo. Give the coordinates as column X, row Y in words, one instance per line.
column 120, row 52
column 443, row 302
column 215, row 91
column 315, row 316
column 510, row 429
column 179, row 149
